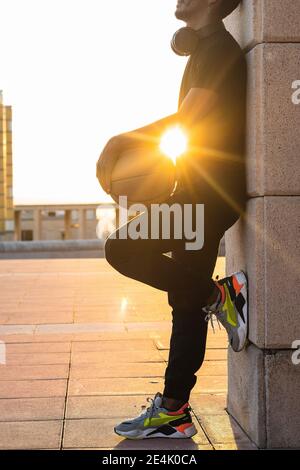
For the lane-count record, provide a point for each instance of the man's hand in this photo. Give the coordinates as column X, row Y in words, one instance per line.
column 106, row 162
column 196, row 105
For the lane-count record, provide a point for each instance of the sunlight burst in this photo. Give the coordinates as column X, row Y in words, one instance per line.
column 173, row 143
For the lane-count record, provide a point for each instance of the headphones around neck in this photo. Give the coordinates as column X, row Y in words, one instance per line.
column 185, row 41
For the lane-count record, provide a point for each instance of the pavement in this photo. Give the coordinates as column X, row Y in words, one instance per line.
column 83, row 347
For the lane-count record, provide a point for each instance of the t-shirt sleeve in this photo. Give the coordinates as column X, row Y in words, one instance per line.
column 220, row 69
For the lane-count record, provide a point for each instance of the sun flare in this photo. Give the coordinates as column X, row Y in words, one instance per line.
column 173, row 143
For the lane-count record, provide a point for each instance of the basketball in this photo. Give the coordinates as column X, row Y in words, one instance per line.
column 145, row 175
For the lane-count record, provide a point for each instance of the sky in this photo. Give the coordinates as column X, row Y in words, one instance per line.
column 77, row 72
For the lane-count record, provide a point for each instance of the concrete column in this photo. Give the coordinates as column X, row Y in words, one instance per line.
column 67, row 220
column 37, row 224
column 17, row 219
column 82, row 223
column 264, row 380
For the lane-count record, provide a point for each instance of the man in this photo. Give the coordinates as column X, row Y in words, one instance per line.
column 212, row 105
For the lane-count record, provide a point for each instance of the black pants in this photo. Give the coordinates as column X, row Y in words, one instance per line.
column 186, row 277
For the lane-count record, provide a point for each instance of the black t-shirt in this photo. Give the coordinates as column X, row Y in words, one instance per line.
column 215, row 168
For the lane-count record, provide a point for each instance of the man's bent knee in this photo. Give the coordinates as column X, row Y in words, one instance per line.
column 117, row 252
column 111, row 251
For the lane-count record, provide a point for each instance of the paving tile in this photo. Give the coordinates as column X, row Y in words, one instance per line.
column 208, row 403
column 131, row 369
column 95, row 433
column 153, row 326
column 216, row 355
column 15, row 332
column 37, row 317
column 213, row 368
column 114, row 345
column 31, row 372
column 236, row 446
column 33, row 388
column 108, row 314
column 114, row 386
column 130, row 405
column 116, row 357
column 210, row 384
column 81, row 332
column 210, row 355
column 85, row 327
column 221, row 429
column 38, row 358
column 65, row 337
column 214, row 341
column 32, row 348
column 107, row 406
column 31, row 409
column 163, row 444
column 30, row 435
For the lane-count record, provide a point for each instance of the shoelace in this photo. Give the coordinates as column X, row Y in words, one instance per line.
column 150, row 408
column 211, row 313
column 210, row 316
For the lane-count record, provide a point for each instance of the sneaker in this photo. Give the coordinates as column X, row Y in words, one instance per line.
column 231, row 309
column 157, row 421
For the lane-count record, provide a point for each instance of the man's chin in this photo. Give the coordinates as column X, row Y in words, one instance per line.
column 181, row 15
column 184, row 14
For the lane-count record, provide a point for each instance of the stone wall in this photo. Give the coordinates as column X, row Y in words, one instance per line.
column 264, row 382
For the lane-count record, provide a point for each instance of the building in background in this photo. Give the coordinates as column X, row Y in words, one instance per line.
column 64, row 221
column 6, row 174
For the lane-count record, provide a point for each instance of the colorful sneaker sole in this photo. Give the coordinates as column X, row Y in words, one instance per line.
column 162, row 431
column 239, row 341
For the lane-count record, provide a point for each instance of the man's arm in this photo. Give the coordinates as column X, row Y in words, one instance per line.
column 197, row 104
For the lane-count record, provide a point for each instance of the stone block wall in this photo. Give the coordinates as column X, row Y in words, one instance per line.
column 264, row 381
